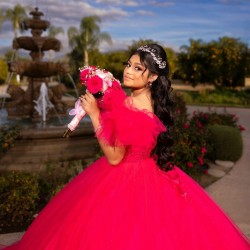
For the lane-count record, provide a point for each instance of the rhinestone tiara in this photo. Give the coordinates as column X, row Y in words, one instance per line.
column 162, row 64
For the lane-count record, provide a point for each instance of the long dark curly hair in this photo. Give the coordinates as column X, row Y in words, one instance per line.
column 155, row 60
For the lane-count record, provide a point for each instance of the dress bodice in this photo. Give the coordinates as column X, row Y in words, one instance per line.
column 130, row 127
column 135, row 154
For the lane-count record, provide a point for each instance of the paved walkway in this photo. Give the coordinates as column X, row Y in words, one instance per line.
column 232, row 192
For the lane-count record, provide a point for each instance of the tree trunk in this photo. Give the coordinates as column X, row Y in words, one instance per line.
column 86, row 57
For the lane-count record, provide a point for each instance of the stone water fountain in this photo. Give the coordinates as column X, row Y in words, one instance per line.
column 38, row 144
column 37, row 71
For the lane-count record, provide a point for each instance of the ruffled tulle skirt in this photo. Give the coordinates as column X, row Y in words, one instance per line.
column 132, row 206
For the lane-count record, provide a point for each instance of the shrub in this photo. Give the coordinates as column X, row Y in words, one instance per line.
column 219, row 96
column 3, row 71
column 55, row 177
column 8, row 135
column 179, row 108
column 23, row 194
column 191, row 143
column 226, row 142
column 211, row 118
column 19, row 193
column 189, row 147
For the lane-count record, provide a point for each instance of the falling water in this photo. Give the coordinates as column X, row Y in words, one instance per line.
column 13, row 55
column 5, row 92
column 70, row 77
column 9, row 76
column 43, row 104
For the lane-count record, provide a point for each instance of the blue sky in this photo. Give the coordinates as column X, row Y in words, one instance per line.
column 171, row 23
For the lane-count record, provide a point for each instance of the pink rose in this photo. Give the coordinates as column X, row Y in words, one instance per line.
column 201, row 160
column 203, row 150
column 178, row 111
column 85, row 74
column 185, row 125
column 198, row 124
column 190, row 164
column 94, row 84
column 241, row 128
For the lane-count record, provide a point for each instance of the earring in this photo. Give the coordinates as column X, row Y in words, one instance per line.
column 149, row 84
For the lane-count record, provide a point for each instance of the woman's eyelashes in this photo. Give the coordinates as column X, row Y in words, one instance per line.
column 126, row 64
column 135, row 67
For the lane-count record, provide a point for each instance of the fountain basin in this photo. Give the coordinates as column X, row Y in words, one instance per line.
column 38, row 69
column 36, row 43
column 37, row 147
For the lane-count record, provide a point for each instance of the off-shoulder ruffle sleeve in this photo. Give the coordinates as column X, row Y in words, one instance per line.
column 124, row 125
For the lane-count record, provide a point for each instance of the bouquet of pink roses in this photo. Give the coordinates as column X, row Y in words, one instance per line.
column 102, row 84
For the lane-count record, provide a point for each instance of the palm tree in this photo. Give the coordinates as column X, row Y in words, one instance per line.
column 88, row 37
column 54, row 31
column 15, row 15
column 1, row 17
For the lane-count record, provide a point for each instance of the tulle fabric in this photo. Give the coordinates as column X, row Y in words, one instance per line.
column 124, row 125
column 133, row 205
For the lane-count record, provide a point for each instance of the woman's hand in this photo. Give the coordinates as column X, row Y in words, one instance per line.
column 89, row 104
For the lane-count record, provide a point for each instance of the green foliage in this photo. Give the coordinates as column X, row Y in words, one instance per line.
column 224, row 62
column 8, row 56
column 172, row 60
column 114, row 63
column 54, row 31
column 189, row 147
column 211, row 118
column 19, row 193
column 137, row 43
column 219, row 96
column 16, row 15
column 3, row 71
column 85, row 39
column 226, row 142
column 8, row 135
column 193, row 144
column 2, row 17
column 56, row 176
column 22, row 195
column 179, row 110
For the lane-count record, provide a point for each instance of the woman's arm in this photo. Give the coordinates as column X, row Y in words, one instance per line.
column 114, row 155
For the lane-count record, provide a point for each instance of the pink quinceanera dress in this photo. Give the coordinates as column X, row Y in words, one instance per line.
column 133, row 205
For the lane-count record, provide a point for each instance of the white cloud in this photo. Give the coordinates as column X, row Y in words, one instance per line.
column 170, row 21
column 162, row 3
column 119, row 2
column 118, row 44
column 233, row 1
column 145, row 13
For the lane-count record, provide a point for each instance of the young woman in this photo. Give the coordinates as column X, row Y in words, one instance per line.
column 133, row 198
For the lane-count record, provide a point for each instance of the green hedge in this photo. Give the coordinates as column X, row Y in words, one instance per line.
column 225, row 142
column 19, row 193
column 22, row 195
column 222, row 96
